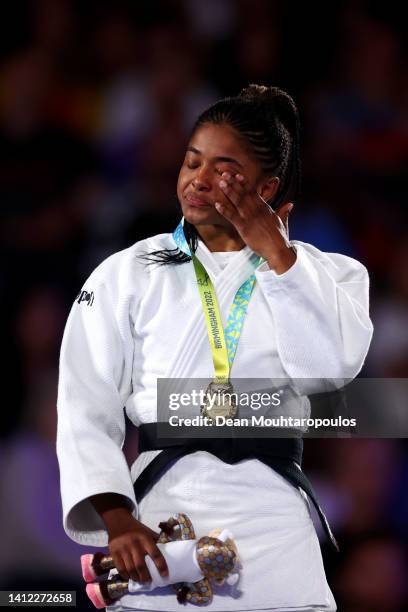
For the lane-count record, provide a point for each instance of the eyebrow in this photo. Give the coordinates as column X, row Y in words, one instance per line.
column 218, row 158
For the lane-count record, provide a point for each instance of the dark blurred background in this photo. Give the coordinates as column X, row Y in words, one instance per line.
column 96, row 102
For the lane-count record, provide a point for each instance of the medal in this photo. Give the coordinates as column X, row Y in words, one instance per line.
column 219, row 397
column 219, row 401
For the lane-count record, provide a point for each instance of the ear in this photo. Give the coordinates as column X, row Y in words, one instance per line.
column 267, row 188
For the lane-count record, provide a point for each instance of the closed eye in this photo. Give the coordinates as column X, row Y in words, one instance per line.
column 217, row 170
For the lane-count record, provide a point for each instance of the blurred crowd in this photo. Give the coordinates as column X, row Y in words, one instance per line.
column 96, row 102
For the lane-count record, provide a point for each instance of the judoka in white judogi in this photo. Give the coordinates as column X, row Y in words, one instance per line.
column 145, row 322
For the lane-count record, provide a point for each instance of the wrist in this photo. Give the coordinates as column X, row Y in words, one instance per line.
column 118, row 522
column 281, row 261
column 113, row 509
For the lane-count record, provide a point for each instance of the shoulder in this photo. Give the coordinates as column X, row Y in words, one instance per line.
column 129, row 263
column 125, row 275
column 340, row 266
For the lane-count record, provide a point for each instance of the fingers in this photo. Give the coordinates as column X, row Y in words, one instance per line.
column 132, row 564
column 243, row 200
column 141, row 570
column 120, row 565
column 129, row 558
column 233, row 187
column 156, row 555
column 229, row 212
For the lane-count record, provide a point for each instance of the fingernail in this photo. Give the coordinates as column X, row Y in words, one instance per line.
column 218, row 205
column 223, row 184
column 226, row 174
column 239, row 177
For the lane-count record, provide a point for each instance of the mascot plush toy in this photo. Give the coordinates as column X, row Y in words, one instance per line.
column 193, row 566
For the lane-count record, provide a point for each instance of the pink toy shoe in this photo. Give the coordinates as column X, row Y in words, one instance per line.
column 95, row 565
column 88, row 572
column 96, row 595
column 104, row 593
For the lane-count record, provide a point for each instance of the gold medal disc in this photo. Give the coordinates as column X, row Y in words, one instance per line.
column 222, row 403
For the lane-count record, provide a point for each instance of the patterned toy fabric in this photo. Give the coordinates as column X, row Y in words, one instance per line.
column 217, row 559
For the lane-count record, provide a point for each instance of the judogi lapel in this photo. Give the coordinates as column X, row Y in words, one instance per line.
column 226, row 283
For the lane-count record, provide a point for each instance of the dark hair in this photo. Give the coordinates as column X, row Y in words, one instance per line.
column 268, row 120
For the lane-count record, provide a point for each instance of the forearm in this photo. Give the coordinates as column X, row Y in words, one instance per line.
column 282, row 260
column 114, row 510
column 320, row 311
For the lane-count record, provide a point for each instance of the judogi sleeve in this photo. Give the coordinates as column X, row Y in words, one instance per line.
column 94, row 384
column 320, row 307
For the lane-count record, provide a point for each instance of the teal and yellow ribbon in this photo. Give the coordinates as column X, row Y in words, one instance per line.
column 223, row 342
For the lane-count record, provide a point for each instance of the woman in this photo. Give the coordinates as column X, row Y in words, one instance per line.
column 139, row 317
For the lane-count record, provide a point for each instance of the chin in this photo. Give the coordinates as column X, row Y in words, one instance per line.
column 199, row 216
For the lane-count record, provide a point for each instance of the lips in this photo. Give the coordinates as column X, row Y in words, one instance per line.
column 194, row 200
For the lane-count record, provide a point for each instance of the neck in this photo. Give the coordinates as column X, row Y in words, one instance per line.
column 218, row 238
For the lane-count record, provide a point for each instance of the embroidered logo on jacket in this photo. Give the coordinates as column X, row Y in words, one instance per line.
column 85, row 296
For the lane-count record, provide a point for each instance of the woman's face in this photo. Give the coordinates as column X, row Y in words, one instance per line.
column 212, row 150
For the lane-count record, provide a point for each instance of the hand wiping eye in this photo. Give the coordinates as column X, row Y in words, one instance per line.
column 262, row 229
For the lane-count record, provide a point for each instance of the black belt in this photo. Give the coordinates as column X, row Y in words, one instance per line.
column 284, row 455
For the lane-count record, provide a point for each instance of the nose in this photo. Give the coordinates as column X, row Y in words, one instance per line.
column 201, row 181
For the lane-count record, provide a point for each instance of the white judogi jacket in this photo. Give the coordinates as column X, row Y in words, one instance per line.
column 134, row 323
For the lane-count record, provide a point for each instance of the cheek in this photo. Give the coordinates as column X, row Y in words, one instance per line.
column 182, row 181
column 179, row 187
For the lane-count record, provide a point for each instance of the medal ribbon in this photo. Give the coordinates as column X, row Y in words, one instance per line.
column 223, row 342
